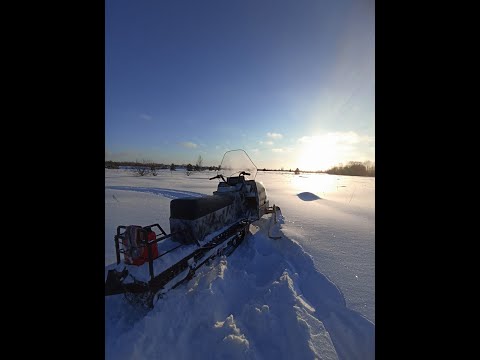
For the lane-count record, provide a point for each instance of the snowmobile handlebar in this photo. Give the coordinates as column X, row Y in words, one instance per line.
column 219, row 176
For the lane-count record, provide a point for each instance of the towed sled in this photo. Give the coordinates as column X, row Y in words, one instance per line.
column 202, row 228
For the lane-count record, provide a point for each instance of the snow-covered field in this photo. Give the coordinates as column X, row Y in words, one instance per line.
column 310, row 294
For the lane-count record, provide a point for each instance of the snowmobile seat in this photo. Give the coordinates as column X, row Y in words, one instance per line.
column 234, row 180
column 194, row 208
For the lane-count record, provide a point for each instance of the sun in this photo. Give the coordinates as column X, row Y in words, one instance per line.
column 318, row 153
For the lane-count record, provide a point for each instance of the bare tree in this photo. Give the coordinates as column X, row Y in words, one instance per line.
column 198, row 165
column 153, row 168
column 141, row 169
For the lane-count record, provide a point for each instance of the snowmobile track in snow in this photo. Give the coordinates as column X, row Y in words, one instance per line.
column 168, row 193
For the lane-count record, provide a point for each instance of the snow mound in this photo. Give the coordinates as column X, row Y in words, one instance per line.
column 308, row 196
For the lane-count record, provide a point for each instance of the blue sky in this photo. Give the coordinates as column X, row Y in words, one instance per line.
column 290, row 82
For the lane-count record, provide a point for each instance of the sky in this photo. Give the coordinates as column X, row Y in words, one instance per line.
column 290, row 82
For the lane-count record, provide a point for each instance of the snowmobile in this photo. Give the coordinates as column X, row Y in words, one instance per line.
column 202, row 228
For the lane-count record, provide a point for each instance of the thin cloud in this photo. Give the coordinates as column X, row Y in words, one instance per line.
column 266, row 143
column 146, row 117
column 338, row 138
column 274, row 135
column 189, row 145
column 277, row 150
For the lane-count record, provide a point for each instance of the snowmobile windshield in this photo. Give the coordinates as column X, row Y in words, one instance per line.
column 235, row 162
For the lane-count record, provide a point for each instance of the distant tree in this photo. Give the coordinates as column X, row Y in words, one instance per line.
column 353, row 168
column 189, row 167
column 111, row 165
column 172, row 167
column 141, row 168
column 370, row 166
column 153, row 169
column 297, row 171
column 356, row 168
column 198, row 165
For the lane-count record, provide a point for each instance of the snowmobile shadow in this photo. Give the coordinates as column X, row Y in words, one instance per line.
column 168, row 193
column 308, row 196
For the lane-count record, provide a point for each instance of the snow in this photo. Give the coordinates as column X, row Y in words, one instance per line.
column 309, row 294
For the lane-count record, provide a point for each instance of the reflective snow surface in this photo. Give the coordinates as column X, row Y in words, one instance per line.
column 310, row 294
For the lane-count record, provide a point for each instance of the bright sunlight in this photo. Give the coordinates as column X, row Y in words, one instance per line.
column 321, row 152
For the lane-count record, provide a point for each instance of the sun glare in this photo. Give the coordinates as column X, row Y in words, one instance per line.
column 319, row 153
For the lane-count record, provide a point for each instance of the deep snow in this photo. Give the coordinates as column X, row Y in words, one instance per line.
column 270, row 298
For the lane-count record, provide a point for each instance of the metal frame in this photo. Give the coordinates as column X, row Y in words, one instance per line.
column 145, row 229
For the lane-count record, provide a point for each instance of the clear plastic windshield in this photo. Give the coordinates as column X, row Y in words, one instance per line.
column 236, row 161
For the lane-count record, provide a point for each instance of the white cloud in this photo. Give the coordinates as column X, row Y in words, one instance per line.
column 188, row 144
column 274, row 135
column 305, row 140
column 337, row 138
column 277, row 150
column 266, row 143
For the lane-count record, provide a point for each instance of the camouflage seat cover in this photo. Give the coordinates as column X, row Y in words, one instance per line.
column 194, row 208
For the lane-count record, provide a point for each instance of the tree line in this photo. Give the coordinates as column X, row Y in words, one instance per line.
column 354, row 168
column 145, row 167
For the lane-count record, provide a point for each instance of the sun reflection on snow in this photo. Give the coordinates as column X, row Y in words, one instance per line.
column 319, row 184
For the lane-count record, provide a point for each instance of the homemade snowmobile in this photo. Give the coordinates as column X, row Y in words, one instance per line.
column 202, row 228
